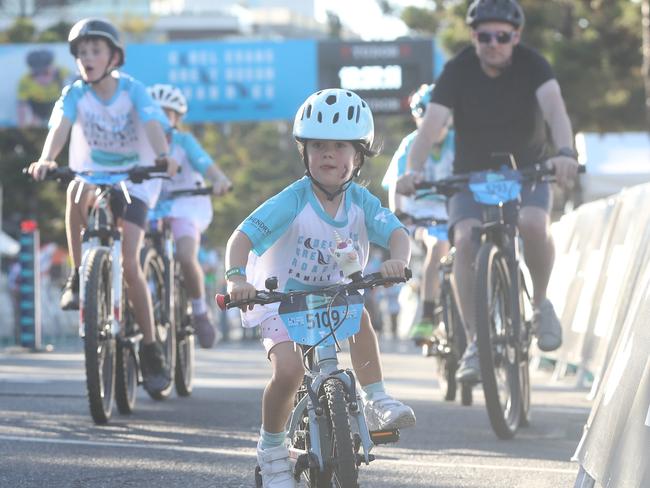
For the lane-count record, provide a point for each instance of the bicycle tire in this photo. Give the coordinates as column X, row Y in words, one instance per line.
column 164, row 329
column 497, row 345
column 126, row 374
column 342, row 459
column 99, row 342
column 184, row 374
column 448, row 363
column 524, row 365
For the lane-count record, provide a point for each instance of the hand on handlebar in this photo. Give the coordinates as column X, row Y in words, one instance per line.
column 221, row 186
column 239, row 289
column 405, row 184
column 38, row 169
column 170, row 164
column 393, row 268
column 566, row 170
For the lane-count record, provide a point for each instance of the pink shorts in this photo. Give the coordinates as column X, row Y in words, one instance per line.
column 273, row 332
column 184, row 228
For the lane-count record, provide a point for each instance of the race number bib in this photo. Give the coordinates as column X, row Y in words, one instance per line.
column 310, row 319
column 493, row 188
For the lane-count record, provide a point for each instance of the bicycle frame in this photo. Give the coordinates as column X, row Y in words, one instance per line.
column 326, row 366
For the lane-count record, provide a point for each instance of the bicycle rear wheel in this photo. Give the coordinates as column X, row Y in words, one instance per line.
column 448, row 358
column 497, row 342
column 184, row 376
column 164, row 330
column 99, row 342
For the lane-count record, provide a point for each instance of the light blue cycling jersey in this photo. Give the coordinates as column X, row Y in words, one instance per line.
column 292, row 236
column 108, row 134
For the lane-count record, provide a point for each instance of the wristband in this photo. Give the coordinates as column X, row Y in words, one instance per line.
column 236, row 271
column 163, row 155
column 569, row 152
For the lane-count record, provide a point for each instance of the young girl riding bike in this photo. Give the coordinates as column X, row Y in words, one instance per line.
column 113, row 125
column 290, row 236
column 190, row 216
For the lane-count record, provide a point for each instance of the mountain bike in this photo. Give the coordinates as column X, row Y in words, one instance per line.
column 448, row 343
column 159, row 251
column 503, row 329
column 111, row 336
column 329, row 438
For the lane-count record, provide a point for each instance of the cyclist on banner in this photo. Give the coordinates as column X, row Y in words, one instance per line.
column 503, row 96
column 113, row 125
column 291, row 236
column 437, row 166
column 189, row 216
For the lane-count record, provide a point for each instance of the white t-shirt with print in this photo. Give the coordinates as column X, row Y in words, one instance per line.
column 109, row 135
column 292, row 236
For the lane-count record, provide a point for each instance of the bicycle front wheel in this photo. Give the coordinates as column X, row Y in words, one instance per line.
column 497, row 341
column 342, row 457
column 99, row 342
column 126, row 378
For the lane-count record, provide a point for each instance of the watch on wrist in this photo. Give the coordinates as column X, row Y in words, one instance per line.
column 569, row 152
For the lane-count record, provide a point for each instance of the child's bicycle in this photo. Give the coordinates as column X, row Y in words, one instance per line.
column 159, row 248
column 449, row 341
column 111, row 336
column 329, row 438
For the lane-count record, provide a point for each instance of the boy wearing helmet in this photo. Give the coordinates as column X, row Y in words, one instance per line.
column 289, row 236
column 189, row 216
column 436, row 167
column 504, row 98
column 113, row 125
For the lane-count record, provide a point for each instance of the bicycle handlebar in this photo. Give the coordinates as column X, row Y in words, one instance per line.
column 136, row 175
column 265, row 297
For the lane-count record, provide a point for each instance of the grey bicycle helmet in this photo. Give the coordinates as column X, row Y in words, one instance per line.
column 88, row 28
column 495, row 11
column 39, row 60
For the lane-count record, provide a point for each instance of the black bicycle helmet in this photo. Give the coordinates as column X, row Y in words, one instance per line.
column 496, row 11
column 39, row 60
column 87, row 28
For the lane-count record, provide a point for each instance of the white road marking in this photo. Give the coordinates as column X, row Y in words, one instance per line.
column 250, row 453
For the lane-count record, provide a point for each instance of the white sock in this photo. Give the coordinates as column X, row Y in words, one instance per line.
column 198, row 306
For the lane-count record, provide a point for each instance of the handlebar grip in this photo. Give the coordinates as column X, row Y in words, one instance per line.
column 582, row 169
column 222, row 300
column 424, row 185
column 408, row 273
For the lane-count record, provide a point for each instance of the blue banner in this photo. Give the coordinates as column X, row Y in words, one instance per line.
column 231, row 81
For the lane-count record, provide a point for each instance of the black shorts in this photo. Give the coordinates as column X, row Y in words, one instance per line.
column 462, row 205
column 136, row 212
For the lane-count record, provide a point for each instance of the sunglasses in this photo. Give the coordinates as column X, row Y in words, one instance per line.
column 502, row 37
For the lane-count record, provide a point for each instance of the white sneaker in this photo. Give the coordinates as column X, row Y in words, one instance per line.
column 384, row 412
column 275, row 468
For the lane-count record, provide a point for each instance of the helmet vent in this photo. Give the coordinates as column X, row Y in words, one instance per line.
column 363, row 104
column 331, row 100
column 309, row 111
column 348, row 94
column 350, row 112
column 335, row 119
column 358, row 113
column 320, row 116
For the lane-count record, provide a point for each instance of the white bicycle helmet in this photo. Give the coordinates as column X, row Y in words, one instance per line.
column 335, row 114
column 420, row 99
column 169, row 97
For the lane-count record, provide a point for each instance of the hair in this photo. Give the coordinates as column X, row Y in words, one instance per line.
column 362, row 150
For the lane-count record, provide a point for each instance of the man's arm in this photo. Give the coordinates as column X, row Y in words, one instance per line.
column 554, row 111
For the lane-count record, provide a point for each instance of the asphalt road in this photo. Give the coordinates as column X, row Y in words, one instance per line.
column 47, row 438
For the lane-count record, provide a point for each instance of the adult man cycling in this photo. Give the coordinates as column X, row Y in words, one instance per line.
column 502, row 95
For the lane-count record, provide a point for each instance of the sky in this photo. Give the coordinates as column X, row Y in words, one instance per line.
column 365, row 17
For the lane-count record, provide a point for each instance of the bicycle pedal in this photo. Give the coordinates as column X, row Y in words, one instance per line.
column 384, row 436
column 361, row 459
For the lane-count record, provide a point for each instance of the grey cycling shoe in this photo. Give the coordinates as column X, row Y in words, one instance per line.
column 469, row 368
column 547, row 327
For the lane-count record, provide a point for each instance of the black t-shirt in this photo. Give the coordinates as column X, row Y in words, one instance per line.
column 495, row 115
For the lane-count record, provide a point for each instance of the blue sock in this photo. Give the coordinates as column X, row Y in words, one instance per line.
column 271, row 439
column 370, row 390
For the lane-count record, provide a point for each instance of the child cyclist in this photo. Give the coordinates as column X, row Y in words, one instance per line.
column 286, row 236
column 189, row 216
column 113, row 125
column 437, row 166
